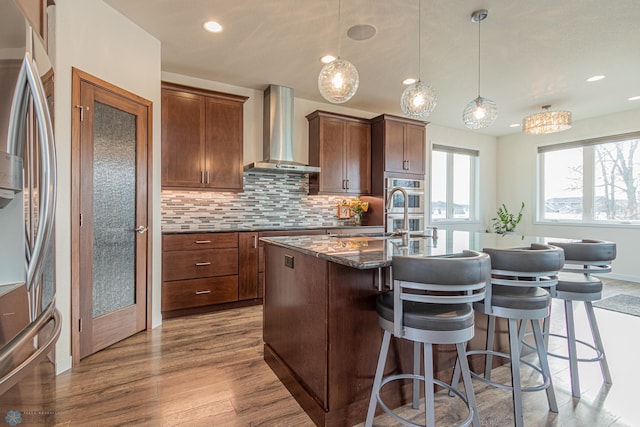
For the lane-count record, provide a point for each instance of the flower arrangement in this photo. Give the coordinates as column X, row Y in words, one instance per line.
column 506, row 222
column 358, row 207
column 355, row 208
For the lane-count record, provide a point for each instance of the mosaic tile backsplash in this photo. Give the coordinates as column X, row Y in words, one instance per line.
column 268, row 200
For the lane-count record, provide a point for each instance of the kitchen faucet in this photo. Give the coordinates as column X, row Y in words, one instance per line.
column 405, row 221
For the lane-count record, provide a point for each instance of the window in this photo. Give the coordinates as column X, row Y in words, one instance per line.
column 453, row 183
column 591, row 180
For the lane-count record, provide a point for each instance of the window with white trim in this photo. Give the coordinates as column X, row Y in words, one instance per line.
column 595, row 180
column 454, row 191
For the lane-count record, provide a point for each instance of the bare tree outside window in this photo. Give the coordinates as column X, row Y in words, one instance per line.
column 617, row 180
column 610, row 169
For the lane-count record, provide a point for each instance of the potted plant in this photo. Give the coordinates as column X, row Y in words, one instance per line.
column 506, row 222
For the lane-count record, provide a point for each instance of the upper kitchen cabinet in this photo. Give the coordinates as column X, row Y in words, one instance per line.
column 201, row 139
column 341, row 146
column 398, row 146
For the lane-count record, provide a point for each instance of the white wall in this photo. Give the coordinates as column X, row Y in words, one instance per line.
column 516, row 182
column 94, row 38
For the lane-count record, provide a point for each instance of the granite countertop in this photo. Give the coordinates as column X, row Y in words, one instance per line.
column 358, row 251
column 364, row 251
column 229, row 228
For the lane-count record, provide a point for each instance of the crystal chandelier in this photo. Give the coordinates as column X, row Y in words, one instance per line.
column 418, row 99
column 546, row 122
column 338, row 80
column 481, row 112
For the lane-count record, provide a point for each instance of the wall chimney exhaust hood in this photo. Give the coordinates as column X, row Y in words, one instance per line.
column 277, row 142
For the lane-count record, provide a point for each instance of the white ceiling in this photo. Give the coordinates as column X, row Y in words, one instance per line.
column 534, row 52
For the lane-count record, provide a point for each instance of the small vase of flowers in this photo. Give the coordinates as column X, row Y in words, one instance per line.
column 506, row 222
column 358, row 208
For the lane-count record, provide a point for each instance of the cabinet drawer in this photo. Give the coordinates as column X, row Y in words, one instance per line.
column 180, row 265
column 199, row 292
column 184, row 242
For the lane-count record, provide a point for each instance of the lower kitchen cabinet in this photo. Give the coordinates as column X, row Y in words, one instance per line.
column 181, row 294
column 249, row 286
column 198, row 270
column 212, row 271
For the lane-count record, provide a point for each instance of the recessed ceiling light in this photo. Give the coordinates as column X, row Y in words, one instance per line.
column 634, row 98
column 595, row 78
column 212, row 26
column 409, row 81
column 327, row 59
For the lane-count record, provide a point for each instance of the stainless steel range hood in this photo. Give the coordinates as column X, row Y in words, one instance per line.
column 277, row 142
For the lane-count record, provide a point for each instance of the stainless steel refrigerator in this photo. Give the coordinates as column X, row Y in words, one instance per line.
column 29, row 321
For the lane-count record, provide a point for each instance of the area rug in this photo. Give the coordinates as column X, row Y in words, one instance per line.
column 622, row 303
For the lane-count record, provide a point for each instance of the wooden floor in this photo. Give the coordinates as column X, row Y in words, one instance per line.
column 207, row 370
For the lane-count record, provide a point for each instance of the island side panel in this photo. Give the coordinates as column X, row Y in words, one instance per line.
column 354, row 345
column 295, row 316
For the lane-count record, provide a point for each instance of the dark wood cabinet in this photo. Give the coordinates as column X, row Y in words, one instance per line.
column 249, row 282
column 341, row 146
column 261, row 250
column 201, row 139
column 198, row 269
column 398, row 146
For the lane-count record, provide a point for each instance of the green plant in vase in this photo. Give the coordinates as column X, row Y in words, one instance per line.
column 506, row 221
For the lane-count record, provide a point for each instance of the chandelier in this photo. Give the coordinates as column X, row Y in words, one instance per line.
column 418, row 99
column 546, row 122
column 481, row 112
column 338, row 80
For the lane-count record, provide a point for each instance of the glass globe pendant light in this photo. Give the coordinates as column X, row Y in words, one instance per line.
column 419, row 99
column 481, row 112
column 338, row 80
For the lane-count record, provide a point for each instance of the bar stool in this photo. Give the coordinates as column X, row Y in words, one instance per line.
column 430, row 304
column 518, row 294
column 576, row 283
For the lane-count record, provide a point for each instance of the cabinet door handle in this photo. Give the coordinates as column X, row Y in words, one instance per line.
column 208, row 180
column 202, row 177
column 202, row 264
column 347, row 181
column 255, row 241
column 202, row 242
column 203, row 292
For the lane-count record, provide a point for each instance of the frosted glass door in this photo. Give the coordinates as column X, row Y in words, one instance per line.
column 114, row 209
column 112, row 202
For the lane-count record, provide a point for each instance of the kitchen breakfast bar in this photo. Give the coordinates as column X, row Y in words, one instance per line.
column 321, row 334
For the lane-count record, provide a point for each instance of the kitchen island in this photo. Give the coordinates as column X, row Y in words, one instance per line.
column 321, row 334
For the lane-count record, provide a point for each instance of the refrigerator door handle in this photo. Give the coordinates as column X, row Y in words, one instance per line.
column 29, row 82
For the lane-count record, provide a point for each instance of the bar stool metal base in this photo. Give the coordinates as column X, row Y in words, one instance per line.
column 572, row 342
column 429, row 382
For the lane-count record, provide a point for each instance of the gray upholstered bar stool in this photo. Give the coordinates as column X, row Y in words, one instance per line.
column 431, row 303
column 520, row 279
column 576, row 283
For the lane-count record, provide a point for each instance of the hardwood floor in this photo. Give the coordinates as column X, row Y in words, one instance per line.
column 207, row 370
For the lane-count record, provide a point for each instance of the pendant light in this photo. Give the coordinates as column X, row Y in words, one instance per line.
column 481, row 112
column 338, row 80
column 418, row 99
column 546, row 122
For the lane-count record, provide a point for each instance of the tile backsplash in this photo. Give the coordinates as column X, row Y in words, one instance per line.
column 268, row 200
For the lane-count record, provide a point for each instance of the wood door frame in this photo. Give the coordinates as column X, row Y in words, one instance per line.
column 79, row 76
